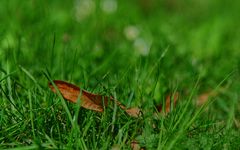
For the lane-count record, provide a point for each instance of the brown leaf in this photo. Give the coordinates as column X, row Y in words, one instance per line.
column 174, row 96
column 203, row 98
column 134, row 112
column 89, row 100
column 71, row 92
column 168, row 101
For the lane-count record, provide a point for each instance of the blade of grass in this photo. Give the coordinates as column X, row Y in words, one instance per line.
column 114, row 113
column 157, row 63
column 187, row 123
column 62, row 100
column 31, row 113
column 209, row 102
column 30, row 76
column 8, row 75
column 11, row 102
column 51, row 141
column 186, row 105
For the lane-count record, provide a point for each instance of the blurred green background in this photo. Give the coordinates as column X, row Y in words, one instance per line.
column 201, row 34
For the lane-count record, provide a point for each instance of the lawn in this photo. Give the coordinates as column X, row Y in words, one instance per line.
column 138, row 52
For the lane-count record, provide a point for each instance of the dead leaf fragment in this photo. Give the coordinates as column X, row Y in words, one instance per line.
column 168, row 101
column 175, row 97
column 134, row 112
column 203, row 98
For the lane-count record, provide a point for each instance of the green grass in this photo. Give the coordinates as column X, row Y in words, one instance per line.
column 189, row 46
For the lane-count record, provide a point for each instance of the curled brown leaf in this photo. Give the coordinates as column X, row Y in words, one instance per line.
column 71, row 93
column 97, row 102
column 89, row 100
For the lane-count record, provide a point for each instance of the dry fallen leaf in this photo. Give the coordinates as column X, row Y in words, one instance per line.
column 89, row 100
column 71, row 92
column 168, row 101
column 174, row 96
column 134, row 112
column 97, row 102
column 203, row 98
